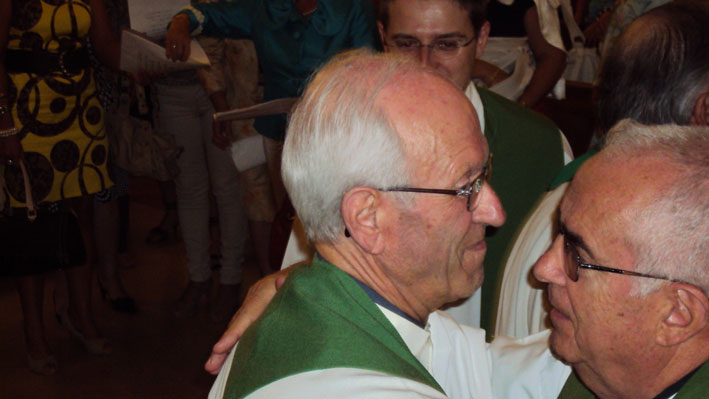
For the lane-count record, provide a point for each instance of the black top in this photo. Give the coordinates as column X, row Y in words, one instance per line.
column 508, row 21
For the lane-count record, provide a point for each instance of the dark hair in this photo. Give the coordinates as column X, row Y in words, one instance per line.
column 475, row 8
column 657, row 67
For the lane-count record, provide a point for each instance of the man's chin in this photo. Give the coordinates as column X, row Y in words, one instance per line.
column 560, row 347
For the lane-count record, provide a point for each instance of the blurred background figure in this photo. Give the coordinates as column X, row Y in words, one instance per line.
column 52, row 123
column 657, row 72
column 291, row 38
column 524, row 57
column 111, row 208
column 185, row 111
column 232, row 81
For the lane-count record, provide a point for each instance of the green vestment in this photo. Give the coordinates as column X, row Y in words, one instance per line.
column 696, row 388
column 321, row 318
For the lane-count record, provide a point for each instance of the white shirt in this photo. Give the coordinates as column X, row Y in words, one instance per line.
column 521, row 306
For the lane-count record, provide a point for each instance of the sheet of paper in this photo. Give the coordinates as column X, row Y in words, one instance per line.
column 139, row 53
column 152, row 16
column 273, row 107
column 248, row 152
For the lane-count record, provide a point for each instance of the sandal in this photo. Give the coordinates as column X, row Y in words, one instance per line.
column 122, row 304
column 161, row 234
column 189, row 302
column 95, row 346
column 44, row 366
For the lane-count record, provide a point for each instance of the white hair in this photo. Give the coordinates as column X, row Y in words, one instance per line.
column 338, row 139
column 670, row 236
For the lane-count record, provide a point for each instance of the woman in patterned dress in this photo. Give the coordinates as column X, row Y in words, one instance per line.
column 51, row 119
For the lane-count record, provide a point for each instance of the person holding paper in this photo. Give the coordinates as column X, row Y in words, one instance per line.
column 186, row 113
column 292, row 38
column 232, row 82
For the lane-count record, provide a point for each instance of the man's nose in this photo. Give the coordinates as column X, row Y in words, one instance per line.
column 426, row 55
column 549, row 268
column 489, row 210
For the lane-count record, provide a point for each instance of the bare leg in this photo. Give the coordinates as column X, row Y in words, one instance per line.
column 105, row 227
column 79, row 283
column 78, row 279
column 31, row 290
column 39, row 357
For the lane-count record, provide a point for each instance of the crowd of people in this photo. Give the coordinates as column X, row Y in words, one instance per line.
column 456, row 247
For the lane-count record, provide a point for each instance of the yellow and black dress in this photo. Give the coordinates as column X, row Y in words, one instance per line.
column 54, row 102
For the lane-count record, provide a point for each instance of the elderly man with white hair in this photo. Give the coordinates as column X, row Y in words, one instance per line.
column 628, row 272
column 386, row 165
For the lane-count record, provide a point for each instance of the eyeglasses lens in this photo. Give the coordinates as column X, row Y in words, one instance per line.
column 477, row 185
column 571, row 261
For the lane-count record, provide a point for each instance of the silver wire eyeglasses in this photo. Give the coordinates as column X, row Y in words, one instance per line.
column 443, row 47
column 471, row 190
column 573, row 263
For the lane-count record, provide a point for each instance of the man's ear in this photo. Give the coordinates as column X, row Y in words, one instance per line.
column 382, row 35
column 700, row 116
column 481, row 40
column 687, row 316
column 359, row 212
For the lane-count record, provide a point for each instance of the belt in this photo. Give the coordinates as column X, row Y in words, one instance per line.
column 43, row 62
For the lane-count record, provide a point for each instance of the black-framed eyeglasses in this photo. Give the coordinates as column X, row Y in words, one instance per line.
column 573, row 262
column 442, row 47
column 471, row 190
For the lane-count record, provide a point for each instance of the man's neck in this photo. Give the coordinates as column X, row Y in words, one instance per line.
column 648, row 382
column 365, row 268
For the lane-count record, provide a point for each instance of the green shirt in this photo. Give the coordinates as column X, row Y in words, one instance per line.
column 696, row 388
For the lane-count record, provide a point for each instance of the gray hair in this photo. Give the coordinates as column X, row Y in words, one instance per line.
column 670, row 237
column 338, row 139
column 656, row 75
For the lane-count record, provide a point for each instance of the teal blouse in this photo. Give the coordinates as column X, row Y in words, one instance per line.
column 289, row 46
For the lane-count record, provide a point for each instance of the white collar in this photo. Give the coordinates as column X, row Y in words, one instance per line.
column 417, row 339
column 472, row 93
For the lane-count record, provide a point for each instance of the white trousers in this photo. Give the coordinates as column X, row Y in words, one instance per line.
column 186, row 112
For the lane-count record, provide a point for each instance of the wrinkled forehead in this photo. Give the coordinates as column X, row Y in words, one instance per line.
column 608, row 192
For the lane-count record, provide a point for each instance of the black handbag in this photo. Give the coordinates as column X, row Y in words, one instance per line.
column 34, row 242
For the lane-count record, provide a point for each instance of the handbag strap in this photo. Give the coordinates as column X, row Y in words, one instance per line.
column 31, row 209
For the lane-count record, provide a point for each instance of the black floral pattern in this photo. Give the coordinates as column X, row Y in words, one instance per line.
column 60, row 118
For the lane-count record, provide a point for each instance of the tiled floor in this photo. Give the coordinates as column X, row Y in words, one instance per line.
column 155, row 354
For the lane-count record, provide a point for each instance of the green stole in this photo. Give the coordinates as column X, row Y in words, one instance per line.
column 696, row 388
column 527, row 155
column 320, row 319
